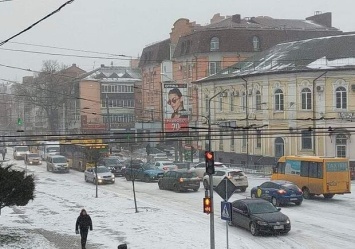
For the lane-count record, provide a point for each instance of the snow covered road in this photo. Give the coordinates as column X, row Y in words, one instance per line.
column 170, row 220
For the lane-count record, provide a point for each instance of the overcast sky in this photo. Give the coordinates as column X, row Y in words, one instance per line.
column 126, row 27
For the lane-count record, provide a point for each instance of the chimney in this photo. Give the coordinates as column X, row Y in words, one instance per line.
column 217, row 18
column 74, row 65
column 324, row 19
column 102, row 65
column 236, row 18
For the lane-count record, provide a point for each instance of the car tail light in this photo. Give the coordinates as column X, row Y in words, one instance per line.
column 281, row 191
column 300, row 191
column 229, row 177
column 181, row 179
column 165, row 168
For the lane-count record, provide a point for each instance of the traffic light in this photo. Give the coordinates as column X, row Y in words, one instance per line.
column 209, row 158
column 19, row 121
column 207, row 207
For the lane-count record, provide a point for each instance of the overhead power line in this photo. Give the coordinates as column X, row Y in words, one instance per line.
column 34, row 24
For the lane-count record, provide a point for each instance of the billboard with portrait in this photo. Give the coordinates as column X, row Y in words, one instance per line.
column 175, row 106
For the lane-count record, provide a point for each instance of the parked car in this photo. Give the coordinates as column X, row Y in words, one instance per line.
column 104, row 175
column 200, row 168
column 166, row 165
column 259, row 216
column 57, row 163
column 179, row 180
column 33, row 159
column 20, row 152
column 113, row 163
column 278, row 192
column 147, row 172
column 237, row 177
column 131, row 163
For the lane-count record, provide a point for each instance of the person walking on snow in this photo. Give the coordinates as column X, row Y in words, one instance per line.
column 83, row 222
column 3, row 152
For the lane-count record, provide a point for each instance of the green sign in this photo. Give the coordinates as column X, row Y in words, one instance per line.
column 19, row 121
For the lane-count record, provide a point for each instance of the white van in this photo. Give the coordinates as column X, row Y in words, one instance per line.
column 48, row 148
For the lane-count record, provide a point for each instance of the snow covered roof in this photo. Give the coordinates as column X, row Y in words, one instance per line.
column 324, row 53
column 111, row 73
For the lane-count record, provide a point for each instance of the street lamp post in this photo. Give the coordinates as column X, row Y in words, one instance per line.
column 212, row 238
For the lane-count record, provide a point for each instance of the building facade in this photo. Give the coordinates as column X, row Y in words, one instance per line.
column 195, row 52
column 294, row 102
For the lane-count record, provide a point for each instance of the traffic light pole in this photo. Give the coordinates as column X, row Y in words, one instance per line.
column 212, row 237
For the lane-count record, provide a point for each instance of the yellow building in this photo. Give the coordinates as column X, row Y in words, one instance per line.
column 296, row 98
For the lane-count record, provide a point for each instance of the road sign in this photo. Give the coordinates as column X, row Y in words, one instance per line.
column 226, row 210
column 225, row 189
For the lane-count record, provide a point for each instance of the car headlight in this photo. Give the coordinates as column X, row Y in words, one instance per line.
column 99, row 177
column 113, row 175
column 262, row 223
column 288, row 221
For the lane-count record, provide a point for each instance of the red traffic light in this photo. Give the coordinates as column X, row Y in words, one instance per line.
column 207, row 205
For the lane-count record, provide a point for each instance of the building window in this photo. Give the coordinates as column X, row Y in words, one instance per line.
column 258, row 100
column 232, row 141
column 279, row 100
column 189, row 71
column 256, row 43
column 231, row 102
column 214, row 67
column 341, row 98
column 340, row 143
column 244, row 101
column 206, row 103
column 244, row 140
column 220, row 102
column 258, row 139
column 306, row 137
column 279, row 147
column 214, row 44
column 306, row 96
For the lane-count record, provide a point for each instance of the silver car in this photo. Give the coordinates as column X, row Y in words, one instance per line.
column 104, row 175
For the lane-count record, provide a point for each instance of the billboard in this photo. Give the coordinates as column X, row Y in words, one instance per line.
column 175, row 105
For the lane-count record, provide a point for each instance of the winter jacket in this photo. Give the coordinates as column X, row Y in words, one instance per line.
column 83, row 222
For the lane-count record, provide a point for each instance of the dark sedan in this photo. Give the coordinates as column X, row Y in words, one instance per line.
column 113, row 164
column 259, row 216
column 278, row 192
column 179, row 180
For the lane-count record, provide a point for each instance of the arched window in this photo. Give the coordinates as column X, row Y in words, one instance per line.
column 256, row 43
column 340, row 98
column 231, row 102
column 214, row 44
column 220, row 103
column 279, row 100
column 206, row 102
column 306, row 96
column 258, row 100
column 279, row 147
column 306, row 137
column 340, row 143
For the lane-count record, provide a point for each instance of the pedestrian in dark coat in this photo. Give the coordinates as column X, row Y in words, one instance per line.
column 83, row 223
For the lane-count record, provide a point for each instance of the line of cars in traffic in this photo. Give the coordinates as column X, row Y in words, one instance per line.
column 259, row 214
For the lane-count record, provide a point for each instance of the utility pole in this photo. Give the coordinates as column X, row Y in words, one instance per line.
column 109, row 123
column 212, row 237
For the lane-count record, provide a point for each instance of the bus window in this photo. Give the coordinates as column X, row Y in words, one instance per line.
column 313, row 170
column 320, row 171
column 304, row 169
column 279, row 168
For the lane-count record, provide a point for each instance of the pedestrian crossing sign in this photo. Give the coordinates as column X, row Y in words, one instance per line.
column 226, row 211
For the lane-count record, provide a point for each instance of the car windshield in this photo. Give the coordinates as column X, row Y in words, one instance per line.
column 236, row 173
column 33, row 155
column 111, row 161
column 59, row 160
column 261, row 207
column 52, row 149
column 102, row 170
column 168, row 164
column 22, row 149
column 188, row 175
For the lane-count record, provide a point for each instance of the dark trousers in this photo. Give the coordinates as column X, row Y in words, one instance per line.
column 84, row 237
column 3, row 156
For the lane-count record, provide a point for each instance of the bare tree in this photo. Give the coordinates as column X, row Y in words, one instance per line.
column 48, row 91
